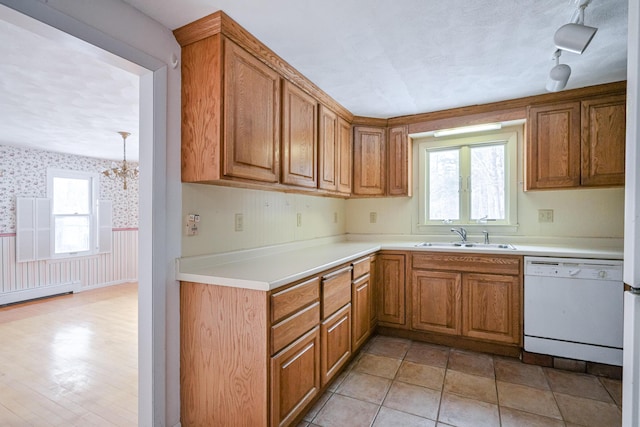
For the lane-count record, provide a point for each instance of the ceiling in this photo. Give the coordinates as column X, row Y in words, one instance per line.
column 378, row 58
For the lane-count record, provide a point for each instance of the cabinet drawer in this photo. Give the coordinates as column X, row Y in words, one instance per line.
column 474, row 263
column 361, row 267
column 292, row 327
column 336, row 291
column 286, row 302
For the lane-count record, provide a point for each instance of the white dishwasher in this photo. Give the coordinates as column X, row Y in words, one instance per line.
column 573, row 308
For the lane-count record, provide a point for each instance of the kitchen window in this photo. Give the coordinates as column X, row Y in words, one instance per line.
column 468, row 180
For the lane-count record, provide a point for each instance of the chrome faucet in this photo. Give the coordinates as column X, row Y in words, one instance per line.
column 461, row 232
column 486, row 237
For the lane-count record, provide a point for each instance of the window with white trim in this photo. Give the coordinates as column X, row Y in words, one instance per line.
column 74, row 201
column 468, row 180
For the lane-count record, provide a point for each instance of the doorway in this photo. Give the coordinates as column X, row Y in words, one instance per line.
column 152, row 231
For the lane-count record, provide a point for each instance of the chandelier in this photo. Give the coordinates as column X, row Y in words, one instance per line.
column 123, row 171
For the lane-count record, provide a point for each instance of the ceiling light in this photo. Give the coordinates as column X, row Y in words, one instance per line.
column 467, row 129
column 559, row 75
column 574, row 37
column 123, row 171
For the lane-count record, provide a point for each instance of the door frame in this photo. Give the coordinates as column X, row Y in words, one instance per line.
column 152, row 231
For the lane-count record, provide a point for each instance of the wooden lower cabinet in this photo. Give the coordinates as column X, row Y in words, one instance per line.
column 335, row 341
column 360, row 304
column 295, row 378
column 373, row 301
column 436, row 301
column 472, row 296
column 391, row 288
column 491, row 307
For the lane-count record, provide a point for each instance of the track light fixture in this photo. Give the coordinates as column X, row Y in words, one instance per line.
column 575, row 36
column 572, row 37
column 559, row 75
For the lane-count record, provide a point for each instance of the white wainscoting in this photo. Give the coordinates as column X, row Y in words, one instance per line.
column 28, row 280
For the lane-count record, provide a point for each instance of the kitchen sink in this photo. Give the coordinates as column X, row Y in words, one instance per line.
column 474, row 245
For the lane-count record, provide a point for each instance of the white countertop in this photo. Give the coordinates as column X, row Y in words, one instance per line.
column 271, row 267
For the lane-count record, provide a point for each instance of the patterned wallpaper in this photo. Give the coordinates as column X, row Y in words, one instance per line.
column 23, row 173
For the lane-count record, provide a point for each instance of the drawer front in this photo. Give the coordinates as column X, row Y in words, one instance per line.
column 283, row 333
column 336, row 291
column 361, row 267
column 474, row 263
column 286, row 302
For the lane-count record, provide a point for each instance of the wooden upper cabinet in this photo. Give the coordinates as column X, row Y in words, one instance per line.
column 299, row 137
column 553, row 146
column 335, row 147
column 327, row 162
column 251, row 117
column 345, row 154
column 369, row 161
column 579, row 143
column 399, row 162
column 603, row 141
column 235, row 136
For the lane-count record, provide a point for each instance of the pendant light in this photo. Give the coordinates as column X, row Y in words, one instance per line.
column 122, row 171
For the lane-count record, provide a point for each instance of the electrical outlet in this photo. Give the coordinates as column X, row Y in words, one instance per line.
column 299, row 219
column 191, row 224
column 335, row 217
column 373, row 217
column 545, row 215
column 239, row 222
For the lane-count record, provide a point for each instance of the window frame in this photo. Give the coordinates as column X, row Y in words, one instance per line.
column 94, row 188
column 511, row 136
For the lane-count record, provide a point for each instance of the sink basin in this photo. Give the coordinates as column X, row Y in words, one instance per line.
column 455, row 245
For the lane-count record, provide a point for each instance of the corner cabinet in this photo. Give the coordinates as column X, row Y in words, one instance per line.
column 236, row 136
column 369, row 161
column 574, row 144
column 382, row 161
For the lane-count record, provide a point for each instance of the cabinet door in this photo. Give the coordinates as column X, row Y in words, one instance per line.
column 360, row 305
column 251, row 117
column 437, row 301
column 491, row 307
column 391, row 289
column 328, row 148
column 399, row 163
column 373, row 283
column 369, row 161
column 335, row 333
column 553, row 146
column 299, row 137
column 345, row 150
column 603, row 141
column 295, row 378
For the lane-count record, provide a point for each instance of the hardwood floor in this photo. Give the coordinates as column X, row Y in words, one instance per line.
column 71, row 360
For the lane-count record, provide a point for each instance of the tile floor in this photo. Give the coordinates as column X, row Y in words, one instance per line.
column 397, row 382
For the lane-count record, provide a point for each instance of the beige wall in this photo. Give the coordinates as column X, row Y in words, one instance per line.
column 577, row 213
column 269, row 218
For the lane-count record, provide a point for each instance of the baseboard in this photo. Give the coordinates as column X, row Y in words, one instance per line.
column 40, row 292
column 104, row 285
